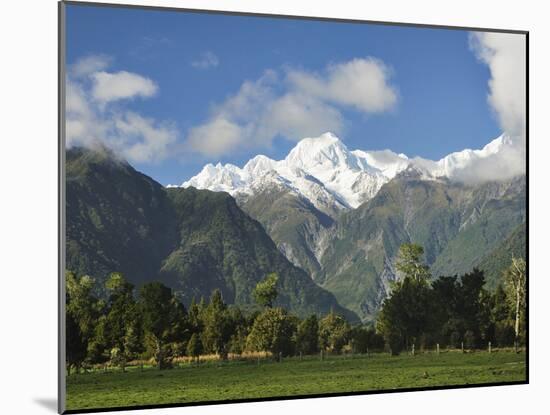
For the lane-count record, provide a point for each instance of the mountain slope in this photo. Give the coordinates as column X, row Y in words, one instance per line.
column 226, row 249
column 500, row 258
column 194, row 241
column 457, row 225
column 294, row 224
column 116, row 218
column 490, row 215
column 300, row 198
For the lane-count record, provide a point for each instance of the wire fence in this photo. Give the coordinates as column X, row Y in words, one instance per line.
column 263, row 358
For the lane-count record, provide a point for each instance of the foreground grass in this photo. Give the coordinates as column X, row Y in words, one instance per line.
column 245, row 380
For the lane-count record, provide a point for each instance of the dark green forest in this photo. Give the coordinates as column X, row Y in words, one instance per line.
column 151, row 323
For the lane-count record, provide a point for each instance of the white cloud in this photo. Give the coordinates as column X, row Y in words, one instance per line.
column 505, row 55
column 109, row 87
column 506, row 162
column 233, row 124
column 205, row 61
column 217, row 137
column 144, row 139
column 293, row 106
column 88, row 65
column 296, row 116
column 360, row 83
column 91, row 120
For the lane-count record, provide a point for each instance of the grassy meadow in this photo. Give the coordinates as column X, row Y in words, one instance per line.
column 246, row 379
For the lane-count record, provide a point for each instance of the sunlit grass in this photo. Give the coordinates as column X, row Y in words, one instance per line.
column 246, row 379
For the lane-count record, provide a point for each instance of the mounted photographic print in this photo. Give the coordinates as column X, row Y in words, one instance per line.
column 258, row 207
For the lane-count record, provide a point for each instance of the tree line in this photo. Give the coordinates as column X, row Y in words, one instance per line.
column 451, row 310
column 151, row 323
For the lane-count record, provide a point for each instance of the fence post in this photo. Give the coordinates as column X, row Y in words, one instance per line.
column 413, row 349
column 437, row 348
column 489, row 347
column 462, row 346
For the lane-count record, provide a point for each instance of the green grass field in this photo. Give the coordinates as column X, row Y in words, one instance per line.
column 245, row 379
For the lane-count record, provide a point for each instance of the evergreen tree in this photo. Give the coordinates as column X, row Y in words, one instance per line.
column 218, row 326
column 470, row 307
column 83, row 309
column 273, row 331
column 408, row 314
column 410, row 263
column 122, row 327
column 194, row 316
column 194, row 346
column 265, row 292
column 75, row 343
column 334, row 332
column 363, row 339
column 163, row 320
column 307, row 335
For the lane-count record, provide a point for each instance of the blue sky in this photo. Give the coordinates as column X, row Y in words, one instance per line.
column 198, row 60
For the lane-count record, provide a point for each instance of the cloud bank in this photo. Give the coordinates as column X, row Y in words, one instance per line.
column 108, row 87
column 293, row 104
column 360, row 83
column 92, row 117
column 505, row 55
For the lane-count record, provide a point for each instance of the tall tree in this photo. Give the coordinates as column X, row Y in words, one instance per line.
column 122, row 328
column 194, row 316
column 218, row 326
column 163, row 319
column 364, row 339
column 75, row 343
column 410, row 264
column 471, row 308
column 273, row 331
column 307, row 335
column 83, row 310
column 407, row 314
column 334, row 332
column 515, row 283
column 265, row 292
column 194, row 346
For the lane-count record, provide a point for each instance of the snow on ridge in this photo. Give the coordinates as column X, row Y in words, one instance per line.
column 324, row 171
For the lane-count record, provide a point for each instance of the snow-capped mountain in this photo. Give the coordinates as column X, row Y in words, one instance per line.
column 298, row 200
column 323, row 170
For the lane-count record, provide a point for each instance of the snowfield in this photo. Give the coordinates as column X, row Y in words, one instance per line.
column 323, row 170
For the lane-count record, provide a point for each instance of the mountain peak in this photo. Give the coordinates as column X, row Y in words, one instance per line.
column 322, row 170
column 325, row 151
column 325, row 140
column 327, row 137
column 259, row 164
